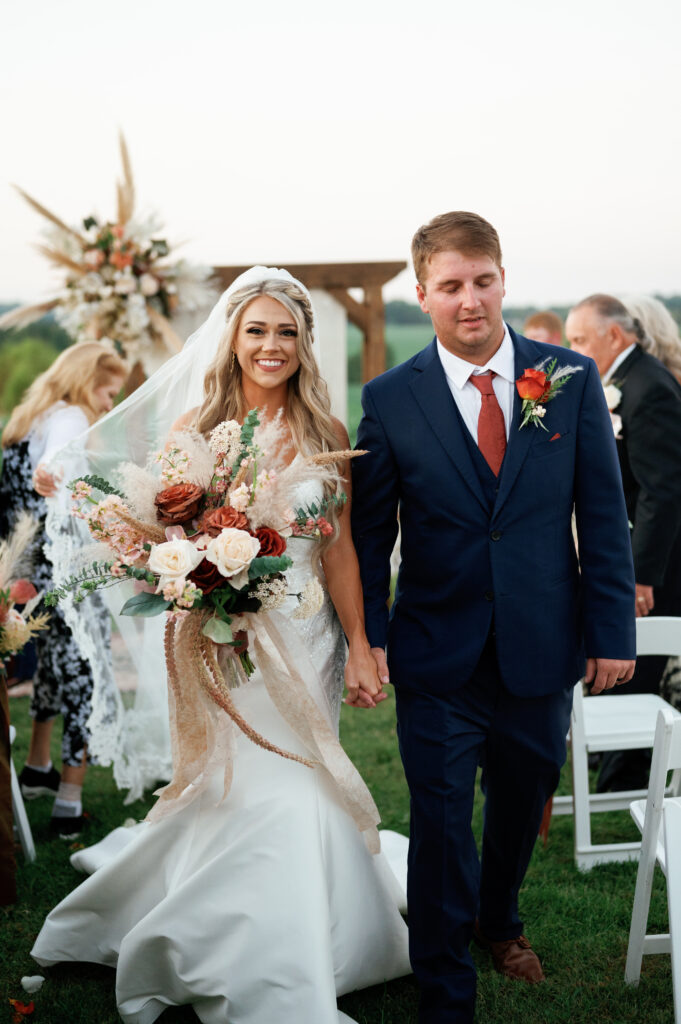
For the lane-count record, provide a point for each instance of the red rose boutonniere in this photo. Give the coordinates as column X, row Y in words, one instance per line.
column 538, row 386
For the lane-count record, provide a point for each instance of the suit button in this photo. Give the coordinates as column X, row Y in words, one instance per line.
column 495, row 534
column 489, row 595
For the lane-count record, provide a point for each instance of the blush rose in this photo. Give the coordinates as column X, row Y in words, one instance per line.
column 232, row 551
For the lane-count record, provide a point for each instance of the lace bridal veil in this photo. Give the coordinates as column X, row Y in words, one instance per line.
column 134, row 739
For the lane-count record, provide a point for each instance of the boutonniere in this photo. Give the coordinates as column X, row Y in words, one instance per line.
column 613, row 397
column 538, row 386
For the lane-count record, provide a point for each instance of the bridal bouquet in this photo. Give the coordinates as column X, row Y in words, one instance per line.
column 17, row 628
column 206, row 543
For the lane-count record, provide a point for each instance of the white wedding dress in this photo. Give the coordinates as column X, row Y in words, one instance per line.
column 260, row 909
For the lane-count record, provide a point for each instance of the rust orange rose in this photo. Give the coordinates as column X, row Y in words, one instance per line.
column 178, row 504
column 533, row 385
column 271, row 542
column 222, row 518
column 206, row 576
column 22, row 591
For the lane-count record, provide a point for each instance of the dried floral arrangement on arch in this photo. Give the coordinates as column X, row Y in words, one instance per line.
column 120, row 283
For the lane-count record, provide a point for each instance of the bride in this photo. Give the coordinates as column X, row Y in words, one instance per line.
column 265, row 905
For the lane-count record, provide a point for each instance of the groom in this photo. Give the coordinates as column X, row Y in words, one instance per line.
column 494, row 620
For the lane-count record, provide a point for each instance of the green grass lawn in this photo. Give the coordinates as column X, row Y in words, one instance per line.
column 579, row 923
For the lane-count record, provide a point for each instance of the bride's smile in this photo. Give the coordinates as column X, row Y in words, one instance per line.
column 266, row 344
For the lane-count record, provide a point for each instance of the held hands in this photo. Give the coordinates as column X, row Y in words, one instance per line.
column 605, row 673
column 363, row 678
column 45, row 483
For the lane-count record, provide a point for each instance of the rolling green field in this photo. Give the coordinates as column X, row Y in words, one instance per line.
column 577, row 922
column 402, row 340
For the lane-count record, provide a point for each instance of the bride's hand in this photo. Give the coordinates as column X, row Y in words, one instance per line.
column 362, row 680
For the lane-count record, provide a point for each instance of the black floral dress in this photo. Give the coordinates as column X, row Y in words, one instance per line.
column 63, row 682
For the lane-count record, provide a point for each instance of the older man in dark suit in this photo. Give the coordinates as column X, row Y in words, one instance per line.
column 645, row 403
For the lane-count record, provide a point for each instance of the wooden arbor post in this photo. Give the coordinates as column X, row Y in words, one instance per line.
column 336, row 279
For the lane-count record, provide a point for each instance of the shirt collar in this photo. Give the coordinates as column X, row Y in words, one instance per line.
column 617, row 362
column 458, row 370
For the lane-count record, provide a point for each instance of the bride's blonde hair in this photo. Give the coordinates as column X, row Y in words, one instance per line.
column 73, row 378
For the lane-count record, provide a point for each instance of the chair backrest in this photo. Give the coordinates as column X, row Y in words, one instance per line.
column 659, row 634
column 666, row 757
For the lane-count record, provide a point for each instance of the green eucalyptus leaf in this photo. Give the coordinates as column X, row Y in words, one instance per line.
column 145, row 604
column 218, row 630
column 266, row 565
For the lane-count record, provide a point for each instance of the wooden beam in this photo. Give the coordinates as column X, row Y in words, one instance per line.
column 327, row 275
column 357, row 312
column 373, row 361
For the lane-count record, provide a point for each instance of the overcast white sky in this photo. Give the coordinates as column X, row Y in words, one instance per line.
column 314, row 131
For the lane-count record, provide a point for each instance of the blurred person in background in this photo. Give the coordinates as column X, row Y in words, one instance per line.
column 645, row 402
column 545, row 326
column 661, row 329
column 79, row 387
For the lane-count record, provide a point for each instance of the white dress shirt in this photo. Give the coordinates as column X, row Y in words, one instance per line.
column 467, row 397
column 617, row 362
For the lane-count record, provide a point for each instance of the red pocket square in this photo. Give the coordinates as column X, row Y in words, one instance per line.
column 555, row 437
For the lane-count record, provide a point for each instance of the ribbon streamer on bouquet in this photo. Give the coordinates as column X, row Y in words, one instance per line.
column 202, row 739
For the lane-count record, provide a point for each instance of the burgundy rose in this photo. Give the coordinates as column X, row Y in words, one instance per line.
column 220, row 518
column 179, row 503
column 271, row 542
column 206, row 576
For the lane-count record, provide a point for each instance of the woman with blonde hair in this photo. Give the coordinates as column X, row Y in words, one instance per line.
column 61, row 404
column 266, row 872
column 662, row 338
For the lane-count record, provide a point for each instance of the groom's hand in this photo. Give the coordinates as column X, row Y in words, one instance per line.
column 362, row 679
column 381, row 665
column 605, row 673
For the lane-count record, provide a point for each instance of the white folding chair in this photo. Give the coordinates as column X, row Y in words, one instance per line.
column 663, row 848
column 615, row 722
column 21, row 824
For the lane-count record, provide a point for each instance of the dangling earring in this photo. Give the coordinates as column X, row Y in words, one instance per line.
column 233, row 362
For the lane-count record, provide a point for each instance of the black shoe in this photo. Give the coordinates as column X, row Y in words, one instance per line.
column 67, row 828
column 34, row 783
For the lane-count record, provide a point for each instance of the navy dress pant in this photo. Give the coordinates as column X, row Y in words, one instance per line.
column 443, row 738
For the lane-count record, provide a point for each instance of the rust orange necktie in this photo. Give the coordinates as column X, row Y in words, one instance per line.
column 491, row 426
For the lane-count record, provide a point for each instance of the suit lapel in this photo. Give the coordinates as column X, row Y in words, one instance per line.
column 519, row 441
column 431, row 391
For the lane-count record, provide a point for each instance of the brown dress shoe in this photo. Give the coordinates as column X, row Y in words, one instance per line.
column 514, row 958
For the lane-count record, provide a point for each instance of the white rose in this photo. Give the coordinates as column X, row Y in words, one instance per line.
column 613, row 396
column 173, row 559
column 148, row 284
column 125, row 285
column 232, row 551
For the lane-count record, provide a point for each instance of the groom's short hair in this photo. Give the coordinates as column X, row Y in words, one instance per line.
column 464, row 232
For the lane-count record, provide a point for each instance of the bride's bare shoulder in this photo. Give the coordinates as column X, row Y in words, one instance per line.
column 341, row 433
column 185, row 420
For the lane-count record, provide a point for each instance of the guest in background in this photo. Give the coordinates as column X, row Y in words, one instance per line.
column 646, row 399
column 545, row 326
column 61, row 403
column 660, row 328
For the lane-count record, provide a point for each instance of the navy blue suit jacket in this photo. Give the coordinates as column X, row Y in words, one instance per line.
column 464, row 563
